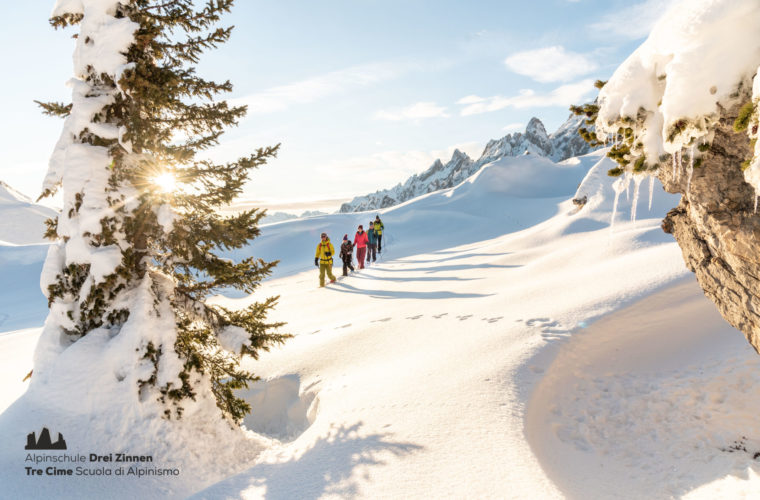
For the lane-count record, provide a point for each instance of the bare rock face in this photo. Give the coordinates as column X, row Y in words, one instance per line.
column 717, row 229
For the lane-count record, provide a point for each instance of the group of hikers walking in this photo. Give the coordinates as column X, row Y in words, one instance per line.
column 368, row 244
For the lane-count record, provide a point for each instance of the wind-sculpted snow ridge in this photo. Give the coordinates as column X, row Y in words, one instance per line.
column 562, row 144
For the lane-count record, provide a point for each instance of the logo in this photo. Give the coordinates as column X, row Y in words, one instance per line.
column 44, row 442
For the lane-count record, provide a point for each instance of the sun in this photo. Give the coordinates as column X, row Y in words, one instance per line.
column 166, row 182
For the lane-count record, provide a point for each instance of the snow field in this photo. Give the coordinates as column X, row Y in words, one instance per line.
column 412, row 378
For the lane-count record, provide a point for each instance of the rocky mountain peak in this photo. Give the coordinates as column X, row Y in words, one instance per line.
column 536, row 127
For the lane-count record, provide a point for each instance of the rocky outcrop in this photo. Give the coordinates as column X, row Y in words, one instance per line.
column 716, row 226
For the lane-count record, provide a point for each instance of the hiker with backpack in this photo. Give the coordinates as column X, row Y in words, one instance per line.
column 346, row 254
column 323, row 259
column 360, row 242
column 371, row 243
column 379, row 227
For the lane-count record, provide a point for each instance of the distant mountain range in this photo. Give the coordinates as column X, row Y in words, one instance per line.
column 562, row 144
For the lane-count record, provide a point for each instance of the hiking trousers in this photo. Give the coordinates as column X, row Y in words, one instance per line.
column 371, row 252
column 325, row 268
column 379, row 242
column 346, row 266
column 360, row 253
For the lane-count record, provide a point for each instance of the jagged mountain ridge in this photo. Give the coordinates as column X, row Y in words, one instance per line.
column 562, row 144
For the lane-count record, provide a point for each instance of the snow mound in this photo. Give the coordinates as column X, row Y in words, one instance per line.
column 23, row 221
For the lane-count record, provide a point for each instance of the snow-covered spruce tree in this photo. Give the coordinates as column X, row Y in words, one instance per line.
column 139, row 235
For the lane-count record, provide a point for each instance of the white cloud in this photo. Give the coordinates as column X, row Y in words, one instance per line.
column 632, row 22
column 513, row 127
column 470, row 99
column 565, row 95
column 414, row 112
column 318, row 87
column 550, row 64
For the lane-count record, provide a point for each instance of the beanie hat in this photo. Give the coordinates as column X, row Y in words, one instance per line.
column 345, row 236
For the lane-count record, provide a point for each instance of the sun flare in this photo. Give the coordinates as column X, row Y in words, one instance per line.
column 166, row 182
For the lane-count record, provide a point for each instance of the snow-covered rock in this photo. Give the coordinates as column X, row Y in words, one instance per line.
column 562, row 144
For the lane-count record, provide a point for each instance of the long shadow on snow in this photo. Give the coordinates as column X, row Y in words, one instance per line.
column 330, row 467
column 455, row 257
column 460, row 267
column 398, row 294
column 414, row 278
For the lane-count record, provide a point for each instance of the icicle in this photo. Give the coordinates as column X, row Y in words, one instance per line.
column 614, row 209
column 619, row 185
column 691, row 170
column 627, row 186
column 673, row 157
column 636, row 183
column 651, row 191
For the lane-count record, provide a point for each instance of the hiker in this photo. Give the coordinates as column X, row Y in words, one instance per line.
column 371, row 243
column 360, row 242
column 346, row 254
column 323, row 259
column 379, row 232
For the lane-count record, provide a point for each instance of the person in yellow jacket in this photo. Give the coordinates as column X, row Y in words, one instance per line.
column 324, row 259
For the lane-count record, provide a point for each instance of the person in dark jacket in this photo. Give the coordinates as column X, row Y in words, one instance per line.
column 346, row 254
column 371, row 243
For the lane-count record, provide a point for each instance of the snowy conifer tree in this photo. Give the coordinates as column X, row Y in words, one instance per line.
column 138, row 238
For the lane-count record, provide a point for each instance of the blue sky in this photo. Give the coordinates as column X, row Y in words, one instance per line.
column 361, row 93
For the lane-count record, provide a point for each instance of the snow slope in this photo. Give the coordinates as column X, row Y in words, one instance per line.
column 23, row 221
column 504, row 196
column 22, row 250
column 437, row 371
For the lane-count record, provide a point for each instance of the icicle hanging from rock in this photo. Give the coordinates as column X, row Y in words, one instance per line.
column 637, row 179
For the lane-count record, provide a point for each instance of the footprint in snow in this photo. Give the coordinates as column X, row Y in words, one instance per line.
column 415, row 317
column 439, row 316
column 493, row 320
column 535, row 321
column 464, row 317
column 345, row 326
column 315, row 331
column 379, row 320
column 550, row 330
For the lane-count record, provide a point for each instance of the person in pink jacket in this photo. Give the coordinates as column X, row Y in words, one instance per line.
column 360, row 242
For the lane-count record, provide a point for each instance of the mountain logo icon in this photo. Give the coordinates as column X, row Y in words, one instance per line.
column 44, row 442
